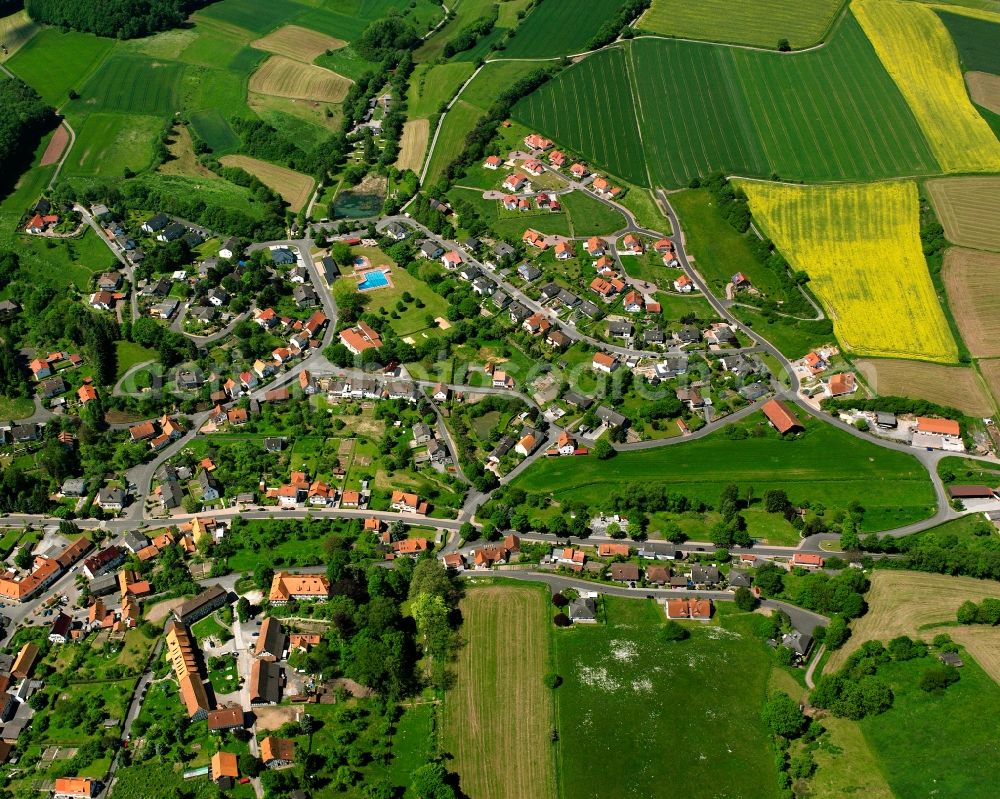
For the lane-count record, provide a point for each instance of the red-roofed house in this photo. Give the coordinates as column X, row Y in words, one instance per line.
column 779, row 415
column 807, row 560
column 579, row 171
column 557, row 159
column 684, row 284
column 940, row 427
column 603, row 362
column 493, row 162
column 360, row 338
column 594, row 247
column 632, row 244
column 536, row 142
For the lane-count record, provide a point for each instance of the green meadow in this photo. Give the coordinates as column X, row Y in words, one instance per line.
column 639, row 717
column 823, row 465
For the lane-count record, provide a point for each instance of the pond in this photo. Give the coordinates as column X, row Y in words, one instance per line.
column 349, row 205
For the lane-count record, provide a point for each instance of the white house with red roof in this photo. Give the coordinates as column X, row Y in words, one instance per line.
column 493, row 162
column 684, row 284
column 516, row 182
column 537, row 142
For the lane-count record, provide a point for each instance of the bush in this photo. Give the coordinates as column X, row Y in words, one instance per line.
column 672, row 631
column 937, row 678
column 745, row 600
column 559, row 600
column 783, row 716
column 552, row 680
column 562, row 620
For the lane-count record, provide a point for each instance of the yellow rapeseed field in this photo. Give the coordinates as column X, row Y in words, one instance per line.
column 915, row 48
column 860, row 245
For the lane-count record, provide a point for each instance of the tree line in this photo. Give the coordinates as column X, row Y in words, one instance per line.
column 120, row 19
column 618, row 25
column 25, row 119
column 470, row 34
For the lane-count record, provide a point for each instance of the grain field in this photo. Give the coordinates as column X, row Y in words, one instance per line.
column 283, row 77
column 497, row 718
column 954, row 386
column 970, row 278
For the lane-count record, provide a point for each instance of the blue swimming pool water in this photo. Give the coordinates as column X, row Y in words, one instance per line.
column 374, row 279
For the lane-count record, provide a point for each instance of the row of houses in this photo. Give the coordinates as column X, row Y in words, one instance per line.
column 18, row 588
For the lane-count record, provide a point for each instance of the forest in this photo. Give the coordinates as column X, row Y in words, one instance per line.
column 121, row 19
column 25, row 119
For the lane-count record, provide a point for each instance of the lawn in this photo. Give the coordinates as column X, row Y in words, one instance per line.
column 834, row 234
column 824, row 465
column 827, row 114
column 17, row 408
column 945, row 744
column 457, row 124
column 716, row 248
column 212, row 126
column 499, row 712
column 109, row 143
column 130, row 354
column 590, row 217
column 636, row 714
column 208, row 627
column 559, row 27
column 647, row 213
column 412, row 321
column 757, row 22
column 54, row 62
column 68, row 262
column 793, row 338
column 433, row 84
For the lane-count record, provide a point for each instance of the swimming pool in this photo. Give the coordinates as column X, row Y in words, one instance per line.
column 374, row 279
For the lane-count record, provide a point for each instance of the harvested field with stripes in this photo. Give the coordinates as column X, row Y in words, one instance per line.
column 294, row 187
column 860, row 245
column 756, row 22
column 497, row 718
column 970, row 278
column 282, row 77
column 969, row 210
column 984, row 89
column 954, row 386
column 831, row 114
column 413, row 145
column 916, row 49
column 297, row 43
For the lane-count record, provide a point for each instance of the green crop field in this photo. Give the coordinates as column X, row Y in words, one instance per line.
column 560, row 27
column 976, row 40
column 825, row 465
column 215, row 130
column 54, row 62
column 639, row 717
column 756, row 22
column 107, row 144
column 945, row 744
column 259, row 16
column 133, row 84
column 590, row 107
column 828, row 114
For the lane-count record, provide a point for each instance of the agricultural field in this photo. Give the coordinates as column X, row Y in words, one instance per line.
column 560, row 27
column 494, row 77
column 828, row 114
column 298, row 43
column 991, row 374
column 282, row 77
column 413, row 144
column 565, row 109
column 15, row 30
column 79, row 55
column 975, row 39
column 755, row 22
column 215, row 130
column 434, row 84
column 108, row 144
column 824, row 465
column 969, row 210
column 500, row 712
column 456, row 125
column 915, row 48
column 628, row 698
column 984, row 89
column 294, row 187
column 835, row 234
column 954, row 386
column 970, row 278
column 132, row 85
column 258, row 16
